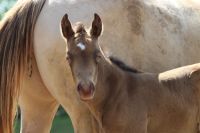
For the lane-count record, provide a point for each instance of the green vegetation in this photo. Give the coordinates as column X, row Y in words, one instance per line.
column 62, row 122
column 5, row 5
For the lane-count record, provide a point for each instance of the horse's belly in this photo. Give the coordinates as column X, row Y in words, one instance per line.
column 174, row 120
column 174, row 129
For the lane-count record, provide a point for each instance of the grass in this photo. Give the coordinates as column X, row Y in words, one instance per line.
column 61, row 124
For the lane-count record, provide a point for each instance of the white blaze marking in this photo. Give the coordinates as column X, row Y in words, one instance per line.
column 81, row 46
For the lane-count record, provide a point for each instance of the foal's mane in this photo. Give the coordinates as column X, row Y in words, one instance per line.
column 123, row 66
column 80, row 28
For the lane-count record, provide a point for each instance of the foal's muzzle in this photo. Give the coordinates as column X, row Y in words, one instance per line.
column 86, row 91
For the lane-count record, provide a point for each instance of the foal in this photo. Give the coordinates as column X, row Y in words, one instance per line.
column 124, row 100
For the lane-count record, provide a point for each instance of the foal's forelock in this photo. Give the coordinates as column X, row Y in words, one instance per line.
column 80, row 30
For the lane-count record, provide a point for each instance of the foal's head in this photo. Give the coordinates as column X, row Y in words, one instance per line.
column 83, row 54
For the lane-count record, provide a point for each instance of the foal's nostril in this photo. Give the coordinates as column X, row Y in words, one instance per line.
column 79, row 87
column 91, row 86
column 86, row 91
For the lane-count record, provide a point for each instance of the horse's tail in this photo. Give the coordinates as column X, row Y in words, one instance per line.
column 16, row 46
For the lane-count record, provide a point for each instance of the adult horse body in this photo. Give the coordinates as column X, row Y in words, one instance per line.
column 146, row 33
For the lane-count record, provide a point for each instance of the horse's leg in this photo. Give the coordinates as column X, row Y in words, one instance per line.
column 37, row 105
column 82, row 120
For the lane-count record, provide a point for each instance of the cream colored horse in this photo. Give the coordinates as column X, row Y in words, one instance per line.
column 150, row 35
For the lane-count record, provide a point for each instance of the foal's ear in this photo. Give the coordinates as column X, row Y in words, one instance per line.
column 96, row 28
column 66, row 26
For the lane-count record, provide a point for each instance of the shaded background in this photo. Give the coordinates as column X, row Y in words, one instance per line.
column 62, row 122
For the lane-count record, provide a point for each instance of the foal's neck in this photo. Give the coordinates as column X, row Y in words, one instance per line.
column 108, row 88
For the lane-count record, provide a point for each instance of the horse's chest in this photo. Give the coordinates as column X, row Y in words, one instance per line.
column 115, row 121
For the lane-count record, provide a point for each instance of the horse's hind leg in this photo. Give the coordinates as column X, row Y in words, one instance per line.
column 38, row 107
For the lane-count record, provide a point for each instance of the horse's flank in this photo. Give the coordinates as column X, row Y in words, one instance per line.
column 16, row 44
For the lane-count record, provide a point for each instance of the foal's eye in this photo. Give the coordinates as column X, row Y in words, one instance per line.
column 98, row 57
column 69, row 58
